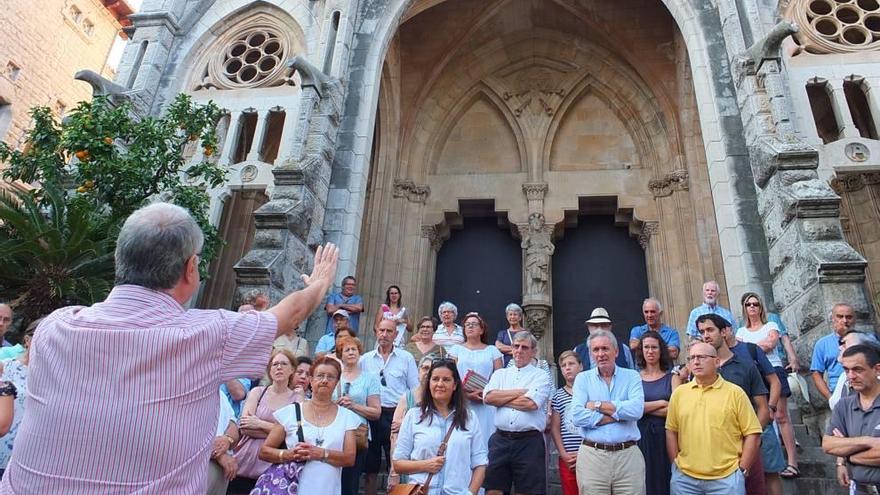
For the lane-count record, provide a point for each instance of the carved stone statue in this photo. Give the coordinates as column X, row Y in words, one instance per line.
column 538, row 248
column 536, row 319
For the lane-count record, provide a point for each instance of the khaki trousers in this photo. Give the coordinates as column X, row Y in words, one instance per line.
column 602, row 472
column 217, row 483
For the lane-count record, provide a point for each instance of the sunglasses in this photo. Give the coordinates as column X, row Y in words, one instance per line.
column 753, row 305
column 382, row 378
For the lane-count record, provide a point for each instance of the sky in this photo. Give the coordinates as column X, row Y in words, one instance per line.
column 119, row 45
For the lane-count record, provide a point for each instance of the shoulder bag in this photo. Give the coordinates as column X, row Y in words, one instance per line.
column 422, row 489
column 282, row 479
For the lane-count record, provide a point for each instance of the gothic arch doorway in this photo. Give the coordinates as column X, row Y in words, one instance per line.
column 596, row 263
column 479, row 269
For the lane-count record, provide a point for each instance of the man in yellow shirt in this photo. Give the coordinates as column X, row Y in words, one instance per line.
column 712, row 432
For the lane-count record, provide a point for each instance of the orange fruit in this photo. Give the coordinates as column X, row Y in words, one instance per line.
column 108, row 140
column 83, row 155
column 209, row 151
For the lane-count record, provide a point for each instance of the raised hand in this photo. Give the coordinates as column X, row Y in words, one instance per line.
column 324, row 268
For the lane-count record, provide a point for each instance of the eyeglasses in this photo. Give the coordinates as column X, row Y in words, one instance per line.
column 5, row 318
column 700, row 357
column 280, row 364
column 382, row 378
column 324, row 378
column 472, row 324
column 752, row 305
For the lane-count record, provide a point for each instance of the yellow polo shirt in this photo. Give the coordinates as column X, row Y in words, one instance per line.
column 711, row 423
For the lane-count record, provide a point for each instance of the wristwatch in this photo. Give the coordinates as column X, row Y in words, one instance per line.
column 597, row 405
column 744, row 471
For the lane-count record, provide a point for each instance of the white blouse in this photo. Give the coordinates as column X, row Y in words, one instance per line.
column 745, row 335
column 318, row 476
column 466, row 450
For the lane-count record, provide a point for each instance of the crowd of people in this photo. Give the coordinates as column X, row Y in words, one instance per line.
column 135, row 383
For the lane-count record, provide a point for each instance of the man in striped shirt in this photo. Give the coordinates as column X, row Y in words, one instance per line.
column 123, row 394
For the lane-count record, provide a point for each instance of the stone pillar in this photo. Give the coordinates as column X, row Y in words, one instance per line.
column 259, row 135
column 841, row 110
column 538, row 251
column 231, row 140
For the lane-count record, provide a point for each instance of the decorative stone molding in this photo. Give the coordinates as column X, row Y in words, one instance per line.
column 835, row 26
column 432, row 233
column 406, row 188
column 851, row 182
column 537, row 318
column 538, row 250
column 649, row 229
column 677, row 180
column 535, row 191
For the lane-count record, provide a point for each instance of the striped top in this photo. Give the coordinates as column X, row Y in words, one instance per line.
column 447, row 340
column 122, row 396
column 561, row 402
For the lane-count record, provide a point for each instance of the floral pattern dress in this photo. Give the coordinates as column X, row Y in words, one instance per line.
column 13, row 371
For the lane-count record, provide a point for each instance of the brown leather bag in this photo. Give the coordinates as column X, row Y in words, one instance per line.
column 416, row 488
column 360, row 434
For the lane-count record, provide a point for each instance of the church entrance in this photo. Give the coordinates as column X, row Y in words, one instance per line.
column 596, row 264
column 479, row 269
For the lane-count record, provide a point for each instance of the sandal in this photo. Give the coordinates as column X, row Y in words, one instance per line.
column 790, row 472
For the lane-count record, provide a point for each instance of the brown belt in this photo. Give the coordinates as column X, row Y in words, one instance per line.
column 517, row 434
column 611, row 447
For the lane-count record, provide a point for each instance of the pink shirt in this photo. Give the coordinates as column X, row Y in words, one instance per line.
column 122, row 395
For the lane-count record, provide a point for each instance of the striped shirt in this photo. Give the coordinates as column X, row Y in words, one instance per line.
column 561, row 401
column 447, row 340
column 123, row 398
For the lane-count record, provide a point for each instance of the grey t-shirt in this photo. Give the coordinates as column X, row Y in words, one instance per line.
column 852, row 421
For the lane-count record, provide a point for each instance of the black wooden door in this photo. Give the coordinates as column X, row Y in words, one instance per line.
column 479, row 268
column 596, row 264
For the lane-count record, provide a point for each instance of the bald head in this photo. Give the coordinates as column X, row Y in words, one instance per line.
column 5, row 318
column 703, row 362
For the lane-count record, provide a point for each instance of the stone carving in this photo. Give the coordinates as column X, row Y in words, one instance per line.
column 677, row 180
column 538, row 246
column 766, row 48
column 116, row 93
column 857, row 152
column 649, row 229
column 248, row 173
column 535, row 191
column 310, row 75
column 537, row 318
column 405, row 188
column 833, row 26
column 432, row 233
column 852, row 182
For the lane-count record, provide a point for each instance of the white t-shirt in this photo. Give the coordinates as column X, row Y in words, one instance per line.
column 318, row 476
column 226, row 414
column 756, row 336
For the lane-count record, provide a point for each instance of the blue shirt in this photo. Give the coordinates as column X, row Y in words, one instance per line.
column 325, row 343
column 353, row 318
column 705, row 309
column 236, row 404
column 359, row 390
column 825, row 353
column 625, row 392
column 668, row 334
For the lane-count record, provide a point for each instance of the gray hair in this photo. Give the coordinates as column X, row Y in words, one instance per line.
column 513, row 307
column 427, row 357
column 841, row 304
column 525, row 335
column 447, row 305
column 595, row 334
column 861, row 337
column 652, row 300
column 154, row 245
column 251, row 296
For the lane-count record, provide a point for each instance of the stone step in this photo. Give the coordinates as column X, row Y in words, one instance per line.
column 813, row 486
column 805, row 437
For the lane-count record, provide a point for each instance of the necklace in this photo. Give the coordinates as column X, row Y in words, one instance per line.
column 321, row 419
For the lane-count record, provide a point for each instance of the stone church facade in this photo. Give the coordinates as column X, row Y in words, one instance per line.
column 597, row 152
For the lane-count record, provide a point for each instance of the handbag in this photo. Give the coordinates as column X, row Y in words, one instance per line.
column 422, row 489
column 283, row 478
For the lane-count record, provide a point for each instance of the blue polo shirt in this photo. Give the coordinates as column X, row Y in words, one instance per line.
column 825, row 353
column 705, row 309
column 668, row 334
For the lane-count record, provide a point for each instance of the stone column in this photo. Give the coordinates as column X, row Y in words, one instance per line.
column 538, row 250
column 232, row 134
column 259, row 135
column 841, row 110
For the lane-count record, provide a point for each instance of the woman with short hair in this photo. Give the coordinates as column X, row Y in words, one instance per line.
column 328, row 433
column 462, row 467
column 422, row 342
column 358, row 391
column 504, row 341
column 448, row 333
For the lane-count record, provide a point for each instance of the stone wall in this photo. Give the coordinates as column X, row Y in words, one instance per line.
column 43, row 43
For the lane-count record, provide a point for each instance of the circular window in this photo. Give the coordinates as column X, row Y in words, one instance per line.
column 253, row 57
column 837, row 25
